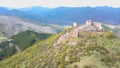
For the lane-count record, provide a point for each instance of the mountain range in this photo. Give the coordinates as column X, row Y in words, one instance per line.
column 66, row 15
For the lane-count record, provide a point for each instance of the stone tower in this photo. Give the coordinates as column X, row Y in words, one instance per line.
column 89, row 22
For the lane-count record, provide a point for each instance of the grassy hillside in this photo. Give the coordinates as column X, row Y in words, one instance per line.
column 92, row 51
column 20, row 41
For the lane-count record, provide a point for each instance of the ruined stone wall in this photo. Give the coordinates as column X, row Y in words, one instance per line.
column 67, row 36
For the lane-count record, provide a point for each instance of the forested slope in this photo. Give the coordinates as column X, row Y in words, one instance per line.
column 20, row 42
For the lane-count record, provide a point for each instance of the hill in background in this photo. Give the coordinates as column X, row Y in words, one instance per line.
column 11, row 25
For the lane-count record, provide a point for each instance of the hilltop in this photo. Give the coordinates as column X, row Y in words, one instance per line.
column 90, row 27
column 73, row 48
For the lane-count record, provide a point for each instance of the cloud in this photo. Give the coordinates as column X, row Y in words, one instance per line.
column 57, row 3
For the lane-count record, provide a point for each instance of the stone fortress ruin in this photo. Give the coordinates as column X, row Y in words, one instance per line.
column 96, row 24
column 90, row 26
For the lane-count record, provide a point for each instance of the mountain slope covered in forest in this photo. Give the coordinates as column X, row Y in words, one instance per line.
column 20, row 42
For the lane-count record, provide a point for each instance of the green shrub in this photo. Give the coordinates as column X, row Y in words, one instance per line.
column 109, row 34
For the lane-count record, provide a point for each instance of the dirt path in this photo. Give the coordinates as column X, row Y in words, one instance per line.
column 17, row 48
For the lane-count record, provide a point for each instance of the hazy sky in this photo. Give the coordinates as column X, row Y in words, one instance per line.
column 57, row 3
